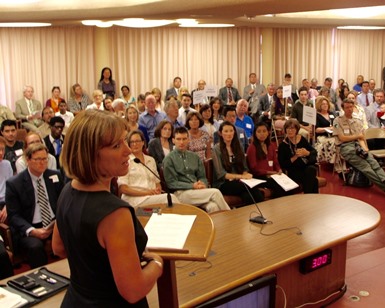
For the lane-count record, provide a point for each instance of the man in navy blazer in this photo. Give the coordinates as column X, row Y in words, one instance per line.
column 24, row 211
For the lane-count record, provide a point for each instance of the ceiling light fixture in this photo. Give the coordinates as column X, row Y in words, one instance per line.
column 360, row 28
column 23, row 24
column 142, row 23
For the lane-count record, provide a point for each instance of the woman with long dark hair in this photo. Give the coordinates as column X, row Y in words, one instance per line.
column 106, row 83
column 230, row 166
column 262, row 158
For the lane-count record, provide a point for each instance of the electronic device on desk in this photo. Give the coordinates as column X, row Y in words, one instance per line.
column 316, row 261
column 259, row 293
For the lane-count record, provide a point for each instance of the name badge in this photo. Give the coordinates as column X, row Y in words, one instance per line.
column 271, row 163
column 248, row 125
column 331, row 116
column 346, row 131
column 54, row 178
column 19, row 152
column 241, row 136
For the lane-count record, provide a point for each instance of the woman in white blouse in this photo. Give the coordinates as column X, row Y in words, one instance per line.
column 140, row 187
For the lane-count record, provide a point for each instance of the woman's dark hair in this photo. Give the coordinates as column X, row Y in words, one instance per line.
column 291, row 123
column 55, row 88
column 159, row 127
column 260, row 153
column 279, row 108
column 104, row 102
column 342, row 94
column 137, row 132
column 239, row 155
column 194, row 114
column 121, row 89
column 216, row 99
column 204, row 108
column 101, row 75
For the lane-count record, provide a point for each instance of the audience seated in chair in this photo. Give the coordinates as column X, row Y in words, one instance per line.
column 161, row 144
column 31, row 199
column 262, row 159
column 6, row 173
column 298, row 158
column 140, row 187
column 230, row 167
column 13, row 147
column 297, row 113
column 32, row 138
column 44, row 129
column 350, row 138
column 185, row 174
column 28, row 110
column 54, row 141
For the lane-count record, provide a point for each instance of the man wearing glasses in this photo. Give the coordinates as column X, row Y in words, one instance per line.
column 54, row 141
column 31, row 198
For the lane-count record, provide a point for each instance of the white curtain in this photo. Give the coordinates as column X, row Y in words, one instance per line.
column 304, row 53
column 360, row 53
column 147, row 58
column 44, row 58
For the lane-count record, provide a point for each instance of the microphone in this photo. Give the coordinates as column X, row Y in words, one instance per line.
column 169, row 200
column 257, row 219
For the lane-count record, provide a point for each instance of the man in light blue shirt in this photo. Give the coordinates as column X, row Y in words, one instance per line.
column 151, row 117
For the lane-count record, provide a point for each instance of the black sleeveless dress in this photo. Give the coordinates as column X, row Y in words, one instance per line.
column 78, row 215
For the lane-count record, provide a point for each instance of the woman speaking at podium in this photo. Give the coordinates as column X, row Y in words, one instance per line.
column 97, row 231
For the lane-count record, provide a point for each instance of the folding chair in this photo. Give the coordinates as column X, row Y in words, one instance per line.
column 376, row 133
column 340, row 163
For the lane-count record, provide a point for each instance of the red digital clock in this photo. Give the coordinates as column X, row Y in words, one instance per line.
column 316, row 261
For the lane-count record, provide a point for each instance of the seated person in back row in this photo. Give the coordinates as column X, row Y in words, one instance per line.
column 13, row 147
column 6, row 173
column 350, row 137
column 31, row 198
column 185, row 174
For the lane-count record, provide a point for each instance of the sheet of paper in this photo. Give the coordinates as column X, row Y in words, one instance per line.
column 168, row 230
column 252, row 182
column 198, row 97
column 284, row 181
column 287, row 91
column 309, row 115
column 211, row 91
column 329, row 130
column 9, row 299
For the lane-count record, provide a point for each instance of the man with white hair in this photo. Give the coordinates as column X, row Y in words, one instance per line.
column 243, row 120
column 28, row 110
column 119, row 107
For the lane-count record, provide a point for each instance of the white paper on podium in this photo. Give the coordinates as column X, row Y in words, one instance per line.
column 309, row 115
column 284, row 181
column 168, row 230
column 252, row 182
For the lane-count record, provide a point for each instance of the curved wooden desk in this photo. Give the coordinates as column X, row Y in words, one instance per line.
column 240, row 253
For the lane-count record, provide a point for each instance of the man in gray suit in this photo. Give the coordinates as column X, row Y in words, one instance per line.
column 28, row 110
column 252, row 92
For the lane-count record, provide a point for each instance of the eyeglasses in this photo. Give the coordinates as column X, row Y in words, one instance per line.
column 135, row 142
column 40, row 159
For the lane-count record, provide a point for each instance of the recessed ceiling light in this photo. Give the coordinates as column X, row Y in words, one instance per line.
column 207, row 26
column 360, row 28
column 23, row 24
column 142, row 23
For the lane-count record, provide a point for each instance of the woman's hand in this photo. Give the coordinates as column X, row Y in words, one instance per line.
column 302, row 152
column 246, row 176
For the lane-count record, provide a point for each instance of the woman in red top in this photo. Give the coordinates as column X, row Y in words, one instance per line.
column 262, row 158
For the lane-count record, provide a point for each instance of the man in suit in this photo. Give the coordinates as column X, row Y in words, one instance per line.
column 54, row 141
column 252, row 92
column 365, row 98
column 29, row 110
column 265, row 102
column 175, row 89
column 31, row 198
column 228, row 94
column 185, row 108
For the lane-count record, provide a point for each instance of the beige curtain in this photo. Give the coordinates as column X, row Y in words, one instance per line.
column 147, row 58
column 360, row 53
column 44, row 58
column 304, row 53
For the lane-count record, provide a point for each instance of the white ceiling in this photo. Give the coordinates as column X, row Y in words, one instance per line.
column 239, row 12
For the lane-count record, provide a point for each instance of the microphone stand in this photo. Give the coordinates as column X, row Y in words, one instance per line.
column 257, row 219
column 169, row 200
